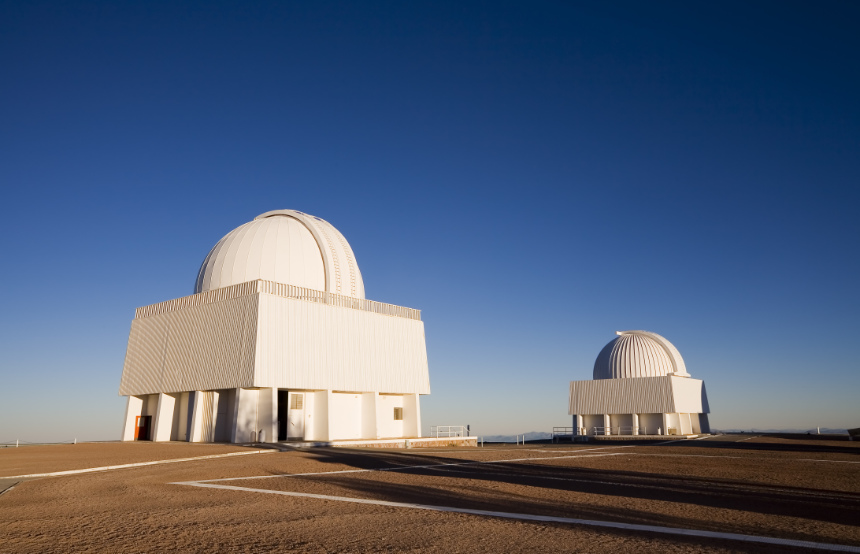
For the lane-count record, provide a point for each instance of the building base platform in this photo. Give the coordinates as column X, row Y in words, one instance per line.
column 422, row 442
column 635, row 437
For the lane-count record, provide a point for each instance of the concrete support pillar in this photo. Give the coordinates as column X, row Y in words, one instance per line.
column 665, row 430
column 267, row 415
column 244, row 417
column 607, row 425
column 369, row 415
column 416, row 422
column 163, row 418
column 579, row 423
column 195, row 407
column 635, row 418
column 324, row 406
column 133, row 408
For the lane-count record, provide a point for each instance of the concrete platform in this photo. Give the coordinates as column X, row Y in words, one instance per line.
column 415, row 442
column 594, row 438
column 640, row 437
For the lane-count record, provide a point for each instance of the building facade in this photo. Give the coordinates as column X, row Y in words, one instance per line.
column 640, row 386
column 277, row 343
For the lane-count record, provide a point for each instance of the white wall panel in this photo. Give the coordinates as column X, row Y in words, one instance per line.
column 689, row 396
column 309, row 345
column 345, row 416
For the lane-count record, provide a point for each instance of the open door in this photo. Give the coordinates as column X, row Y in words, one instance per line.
column 142, row 427
column 283, row 411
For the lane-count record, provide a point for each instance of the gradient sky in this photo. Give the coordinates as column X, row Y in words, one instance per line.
column 533, row 176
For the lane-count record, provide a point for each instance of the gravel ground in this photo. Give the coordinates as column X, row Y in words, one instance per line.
column 776, row 487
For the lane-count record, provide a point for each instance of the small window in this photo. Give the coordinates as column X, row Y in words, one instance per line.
column 398, row 414
column 297, row 401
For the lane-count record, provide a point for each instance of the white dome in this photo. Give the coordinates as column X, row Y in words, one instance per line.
column 285, row 246
column 638, row 354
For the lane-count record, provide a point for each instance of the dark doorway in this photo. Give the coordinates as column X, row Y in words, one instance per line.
column 142, row 427
column 283, row 406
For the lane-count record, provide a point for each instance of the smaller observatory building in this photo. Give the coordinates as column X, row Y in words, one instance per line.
column 640, row 387
column 278, row 342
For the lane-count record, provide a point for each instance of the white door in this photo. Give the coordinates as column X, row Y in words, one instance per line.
column 296, row 416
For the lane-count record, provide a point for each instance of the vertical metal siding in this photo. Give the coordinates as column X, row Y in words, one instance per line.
column 202, row 347
column 621, row 396
column 318, row 346
column 288, row 337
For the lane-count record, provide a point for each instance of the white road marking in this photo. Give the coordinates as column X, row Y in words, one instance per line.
column 138, row 464
column 548, row 519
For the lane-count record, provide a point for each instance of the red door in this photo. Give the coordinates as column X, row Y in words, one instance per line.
column 141, row 427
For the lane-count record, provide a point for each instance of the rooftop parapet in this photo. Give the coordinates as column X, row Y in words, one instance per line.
column 277, row 289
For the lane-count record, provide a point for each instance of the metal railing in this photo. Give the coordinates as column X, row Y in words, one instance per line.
column 448, row 431
column 562, row 432
column 619, row 430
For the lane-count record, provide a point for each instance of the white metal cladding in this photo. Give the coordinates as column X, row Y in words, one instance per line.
column 638, row 354
column 690, row 396
column 285, row 246
column 278, row 289
column 308, row 345
column 201, row 347
column 308, row 339
column 667, row 394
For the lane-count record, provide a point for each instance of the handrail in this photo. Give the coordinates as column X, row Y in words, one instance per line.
column 619, row 430
column 448, row 431
column 278, row 289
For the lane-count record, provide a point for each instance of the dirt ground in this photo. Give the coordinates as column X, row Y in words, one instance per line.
column 782, row 487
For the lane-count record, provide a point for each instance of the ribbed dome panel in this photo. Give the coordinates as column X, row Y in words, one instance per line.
column 284, row 246
column 638, row 354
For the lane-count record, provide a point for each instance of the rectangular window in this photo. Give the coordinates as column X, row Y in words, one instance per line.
column 297, row 401
column 398, row 414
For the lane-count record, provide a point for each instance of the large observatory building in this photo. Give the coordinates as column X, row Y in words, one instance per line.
column 640, row 387
column 277, row 342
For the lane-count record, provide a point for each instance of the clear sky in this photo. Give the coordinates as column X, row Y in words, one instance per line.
column 533, row 176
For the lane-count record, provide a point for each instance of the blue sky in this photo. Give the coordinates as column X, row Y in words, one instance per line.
column 532, row 176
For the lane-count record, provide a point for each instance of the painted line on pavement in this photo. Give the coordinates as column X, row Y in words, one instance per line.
column 547, row 519
column 137, row 464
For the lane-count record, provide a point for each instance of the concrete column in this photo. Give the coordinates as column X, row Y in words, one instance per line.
column 665, row 424
column 635, row 418
column 163, row 418
column 182, row 413
column 133, row 408
column 607, row 425
column 244, row 417
column 267, row 415
column 417, row 422
column 579, row 423
column 195, row 407
column 369, row 407
column 323, row 407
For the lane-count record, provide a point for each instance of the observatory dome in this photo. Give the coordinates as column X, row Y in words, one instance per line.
column 638, row 354
column 285, row 246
